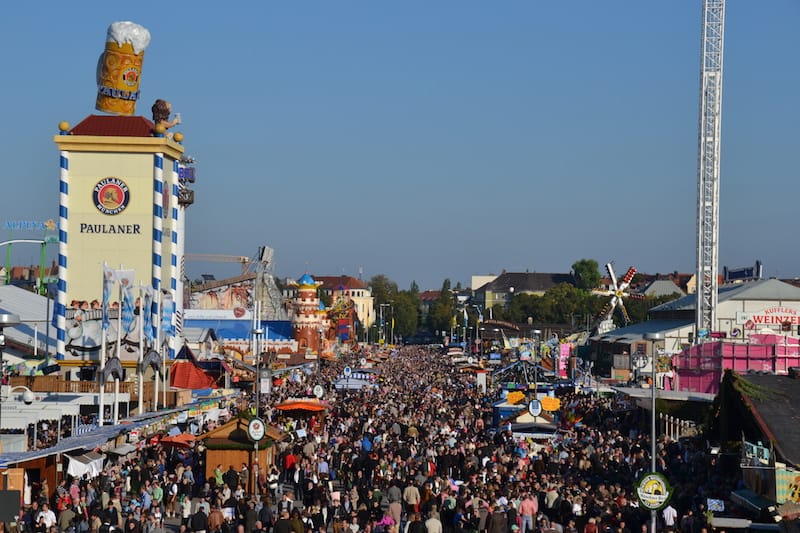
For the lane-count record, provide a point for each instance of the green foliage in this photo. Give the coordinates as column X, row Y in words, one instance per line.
column 414, row 289
column 639, row 307
column 442, row 310
column 562, row 303
column 523, row 306
column 498, row 312
column 751, row 390
column 406, row 313
column 383, row 289
column 587, row 274
column 325, row 298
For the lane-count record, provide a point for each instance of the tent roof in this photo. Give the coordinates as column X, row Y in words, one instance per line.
column 300, row 404
column 235, row 431
column 763, row 289
column 777, row 412
column 186, row 375
column 32, row 309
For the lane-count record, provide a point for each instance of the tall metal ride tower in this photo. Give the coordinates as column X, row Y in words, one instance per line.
column 708, row 163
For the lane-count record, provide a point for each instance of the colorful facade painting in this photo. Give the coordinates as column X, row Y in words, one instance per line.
column 235, row 296
column 787, row 485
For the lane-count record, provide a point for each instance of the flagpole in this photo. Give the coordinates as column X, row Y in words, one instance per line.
column 158, row 343
column 103, row 342
column 163, row 352
column 119, row 353
column 141, row 350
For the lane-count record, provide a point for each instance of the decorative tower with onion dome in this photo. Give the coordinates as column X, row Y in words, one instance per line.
column 307, row 320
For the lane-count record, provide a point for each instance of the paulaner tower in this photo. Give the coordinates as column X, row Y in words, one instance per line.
column 122, row 202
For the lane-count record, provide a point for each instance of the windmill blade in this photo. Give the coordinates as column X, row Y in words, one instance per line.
column 625, row 314
column 608, row 309
column 627, row 278
column 612, row 275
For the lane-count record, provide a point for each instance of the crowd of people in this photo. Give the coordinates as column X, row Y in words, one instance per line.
column 415, row 452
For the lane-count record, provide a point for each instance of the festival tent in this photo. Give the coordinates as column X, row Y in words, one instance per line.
column 187, row 375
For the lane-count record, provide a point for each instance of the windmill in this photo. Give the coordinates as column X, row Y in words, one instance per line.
column 617, row 292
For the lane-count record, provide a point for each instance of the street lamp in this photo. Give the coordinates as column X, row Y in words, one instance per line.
column 478, row 328
column 653, row 338
column 382, row 339
column 536, row 333
column 257, row 333
column 319, row 350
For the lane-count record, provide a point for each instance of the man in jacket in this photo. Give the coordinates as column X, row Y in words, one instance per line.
column 199, row 521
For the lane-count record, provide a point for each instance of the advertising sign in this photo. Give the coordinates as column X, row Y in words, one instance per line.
column 653, row 491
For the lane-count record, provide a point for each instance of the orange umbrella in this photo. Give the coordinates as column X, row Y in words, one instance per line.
column 184, row 439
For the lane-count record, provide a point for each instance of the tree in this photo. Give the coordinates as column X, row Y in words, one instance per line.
column 406, row 314
column 324, row 297
column 638, row 308
column 383, row 289
column 523, row 306
column 441, row 313
column 414, row 289
column 587, row 274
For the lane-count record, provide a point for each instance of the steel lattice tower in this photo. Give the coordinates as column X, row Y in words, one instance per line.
column 708, row 163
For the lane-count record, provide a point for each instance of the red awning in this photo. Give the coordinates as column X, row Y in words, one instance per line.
column 301, row 405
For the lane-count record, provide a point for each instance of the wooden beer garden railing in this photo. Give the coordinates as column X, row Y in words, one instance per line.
column 56, row 384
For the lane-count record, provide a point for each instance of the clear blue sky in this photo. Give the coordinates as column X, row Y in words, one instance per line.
column 426, row 140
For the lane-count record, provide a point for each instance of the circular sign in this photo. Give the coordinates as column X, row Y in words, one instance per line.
column 111, row 196
column 653, row 491
column 256, row 429
column 363, row 361
column 639, row 360
column 470, row 359
column 319, row 392
column 535, row 407
column 347, row 371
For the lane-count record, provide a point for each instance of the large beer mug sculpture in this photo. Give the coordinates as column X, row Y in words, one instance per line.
column 120, row 67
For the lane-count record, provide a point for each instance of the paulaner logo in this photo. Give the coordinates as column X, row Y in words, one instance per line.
column 111, row 196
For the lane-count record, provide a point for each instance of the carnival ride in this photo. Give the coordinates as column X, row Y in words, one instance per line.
column 618, row 292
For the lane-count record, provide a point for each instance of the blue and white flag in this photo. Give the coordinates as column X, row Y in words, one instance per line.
column 109, row 278
column 147, row 313
column 125, row 278
column 716, row 506
column 167, row 312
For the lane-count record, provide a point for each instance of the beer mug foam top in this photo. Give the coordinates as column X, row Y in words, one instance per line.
column 120, row 68
column 129, row 32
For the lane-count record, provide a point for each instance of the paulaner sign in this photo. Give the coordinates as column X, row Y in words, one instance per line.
column 125, row 229
column 776, row 316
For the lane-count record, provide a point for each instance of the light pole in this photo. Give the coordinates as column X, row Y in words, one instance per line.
column 391, row 326
column 478, row 328
column 319, row 350
column 652, row 338
column 257, row 332
column 7, row 320
column 382, row 339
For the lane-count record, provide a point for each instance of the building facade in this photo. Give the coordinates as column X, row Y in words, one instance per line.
column 122, row 204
